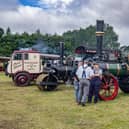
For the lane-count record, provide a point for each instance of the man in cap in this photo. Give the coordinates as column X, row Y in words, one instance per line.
column 84, row 75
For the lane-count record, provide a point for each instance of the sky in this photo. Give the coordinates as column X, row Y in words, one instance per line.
column 58, row 16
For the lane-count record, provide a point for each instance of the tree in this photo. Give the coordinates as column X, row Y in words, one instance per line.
column 87, row 37
column 72, row 39
column 8, row 31
column 1, row 32
column 38, row 32
column 111, row 39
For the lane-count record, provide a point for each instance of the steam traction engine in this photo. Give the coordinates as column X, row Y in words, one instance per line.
column 114, row 72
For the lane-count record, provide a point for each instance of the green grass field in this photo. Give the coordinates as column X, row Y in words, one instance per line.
column 29, row 108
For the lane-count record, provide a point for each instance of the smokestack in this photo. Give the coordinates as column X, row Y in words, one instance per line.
column 99, row 36
column 61, row 52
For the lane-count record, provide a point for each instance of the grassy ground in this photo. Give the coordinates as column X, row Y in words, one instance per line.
column 29, row 108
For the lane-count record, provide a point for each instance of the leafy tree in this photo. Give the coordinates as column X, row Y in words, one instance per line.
column 110, row 39
column 8, row 31
column 72, row 39
column 1, row 32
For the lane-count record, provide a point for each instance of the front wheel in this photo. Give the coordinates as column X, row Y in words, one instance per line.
column 22, row 79
column 109, row 88
column 49, row 83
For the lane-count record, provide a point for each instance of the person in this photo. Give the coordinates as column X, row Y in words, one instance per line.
column 85, row 63
column 95, row 83
column 76, row 80
column 84, row 75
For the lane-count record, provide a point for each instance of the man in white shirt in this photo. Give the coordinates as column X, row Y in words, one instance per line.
column 84, row 75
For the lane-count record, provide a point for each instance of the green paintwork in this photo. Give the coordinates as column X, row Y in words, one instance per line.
column 117, row 69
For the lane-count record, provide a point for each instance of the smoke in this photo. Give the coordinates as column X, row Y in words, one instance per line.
column 43, row 48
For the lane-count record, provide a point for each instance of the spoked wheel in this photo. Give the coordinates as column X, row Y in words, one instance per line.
column 48, row 83
column 22, row 79
column 109, row 88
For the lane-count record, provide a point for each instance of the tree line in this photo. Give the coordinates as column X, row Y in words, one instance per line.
column 84, row 36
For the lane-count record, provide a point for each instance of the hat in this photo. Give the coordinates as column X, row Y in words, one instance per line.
column 85, row 61
column 95, row 63
column 88, row 60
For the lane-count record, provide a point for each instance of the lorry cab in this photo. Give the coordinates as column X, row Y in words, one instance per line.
column 24, row 66
column 28, row 61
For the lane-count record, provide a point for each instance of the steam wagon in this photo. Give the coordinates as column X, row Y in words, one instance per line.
column 26, row 65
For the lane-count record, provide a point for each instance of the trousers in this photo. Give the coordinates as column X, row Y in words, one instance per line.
column 94, row 89
column 83, row 90
column 76, row 87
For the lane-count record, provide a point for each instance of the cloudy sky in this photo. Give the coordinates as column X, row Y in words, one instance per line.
column 58, row 16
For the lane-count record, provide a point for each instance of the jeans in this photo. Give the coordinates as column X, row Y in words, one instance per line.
column 76, row 87
column 94, row 89
column 83, row 90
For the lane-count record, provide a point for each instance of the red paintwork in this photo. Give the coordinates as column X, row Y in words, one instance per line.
column 32, row 76
column 105, row 87
column 1, row 69
column 22, row 79
column 26, row 51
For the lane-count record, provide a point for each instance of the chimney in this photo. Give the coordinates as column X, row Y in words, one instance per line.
column 99, row 37
column 61, row 52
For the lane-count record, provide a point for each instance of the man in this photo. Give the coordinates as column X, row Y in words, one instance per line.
column 76, row 80
column 95, row 84
column 84, row 75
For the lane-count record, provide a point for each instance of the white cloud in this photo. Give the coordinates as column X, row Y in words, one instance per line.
column 56, row 4
column 56, row 1
column 75, row 14
column 27, row 18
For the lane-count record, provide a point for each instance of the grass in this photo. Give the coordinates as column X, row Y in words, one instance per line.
column 29, row 108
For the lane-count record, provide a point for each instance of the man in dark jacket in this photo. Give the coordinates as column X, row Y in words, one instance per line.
column 95, row 83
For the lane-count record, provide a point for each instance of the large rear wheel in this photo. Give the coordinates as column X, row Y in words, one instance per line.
column 109, row 88
column 124, row 84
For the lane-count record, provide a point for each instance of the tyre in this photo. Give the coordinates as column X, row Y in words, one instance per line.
column 124, row 88
column 49, row 83
column 124, row 84
column 22, row 79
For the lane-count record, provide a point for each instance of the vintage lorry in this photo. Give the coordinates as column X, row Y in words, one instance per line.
column 26, row 65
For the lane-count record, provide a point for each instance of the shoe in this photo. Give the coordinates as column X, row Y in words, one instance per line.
column 83, row 104
column 95, row 102
column 78, row 103
column 88, row 101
